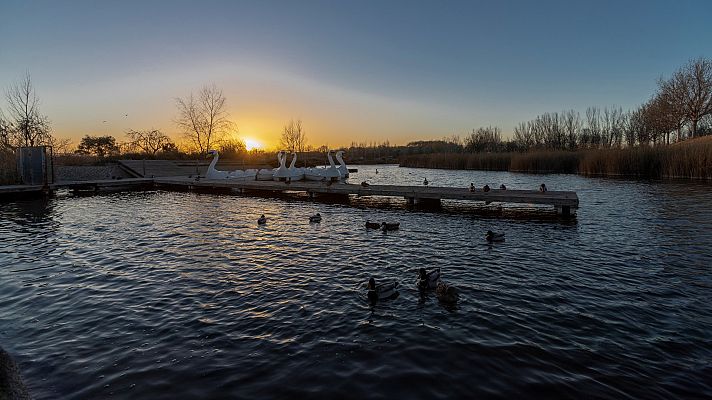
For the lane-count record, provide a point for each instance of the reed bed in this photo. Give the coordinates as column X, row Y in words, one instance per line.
column 564, row 162
column 687, row 160
column 476, row 161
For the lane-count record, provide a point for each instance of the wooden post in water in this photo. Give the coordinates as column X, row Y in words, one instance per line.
column 564, row 211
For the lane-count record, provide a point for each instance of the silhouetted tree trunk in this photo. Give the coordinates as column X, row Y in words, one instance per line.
column 204, row 120
column 293, row 137
column 28, row 127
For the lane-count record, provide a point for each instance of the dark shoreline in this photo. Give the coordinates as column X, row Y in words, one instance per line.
column 11, row 385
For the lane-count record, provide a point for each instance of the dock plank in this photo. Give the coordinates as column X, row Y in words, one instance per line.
column 12, row 189
column 554, row 198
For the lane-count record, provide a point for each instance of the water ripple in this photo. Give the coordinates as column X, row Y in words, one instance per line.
column 163, row 295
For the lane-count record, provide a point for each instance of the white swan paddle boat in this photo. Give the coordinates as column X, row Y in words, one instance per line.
column 295, row 174
column 329, row 174
column 267, row 174
column 283, row 174
column 343, row 169
column 213, row 173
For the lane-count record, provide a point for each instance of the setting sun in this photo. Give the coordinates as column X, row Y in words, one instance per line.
column 252, row 144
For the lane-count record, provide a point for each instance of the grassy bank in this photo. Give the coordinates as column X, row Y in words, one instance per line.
column 687, row 160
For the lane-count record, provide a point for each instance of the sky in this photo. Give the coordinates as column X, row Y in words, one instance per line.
column 352, row 71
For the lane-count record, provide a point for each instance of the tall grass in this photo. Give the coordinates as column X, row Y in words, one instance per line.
column 690, row 159
column 565, row 162
column 478, row 161
column 687, row 160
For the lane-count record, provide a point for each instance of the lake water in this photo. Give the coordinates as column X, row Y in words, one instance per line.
column 163, row 295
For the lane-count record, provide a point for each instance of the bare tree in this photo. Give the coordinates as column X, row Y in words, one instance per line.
column 204, row 120
column 149, row 141
column 523, row 135
column 571, row 121
column 59, row 146
column 593, row 124
column 484, row 139
column 699, row 91
column 671, row 96
column 293, row 136
column 28, row 126
column 612, row 127
column 6, row 131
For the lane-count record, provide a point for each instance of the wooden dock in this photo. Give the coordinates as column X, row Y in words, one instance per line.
column 78, row 186
column 565, row 202
column 104, row 184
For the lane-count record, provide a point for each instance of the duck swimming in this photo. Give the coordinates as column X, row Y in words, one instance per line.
column 446, row 293
column 315, row 218
column 381, row 291
column 372, row 225
column 494, row 236
column 392, row 226
column 428, row 279
column 502, row 187
column 262, row 220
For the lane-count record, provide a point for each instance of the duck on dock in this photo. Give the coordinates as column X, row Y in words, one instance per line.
column 316, row 218
column 372, row 225
column 446, row 293
column 428, row 279
column 262, row 220
column 542, row 188
column 381, row 291
column 365, row 184
column 502, row 187
column 472, row 187
column 425, row 182
column 494, row 237
column 486, row 188
column 390, row 226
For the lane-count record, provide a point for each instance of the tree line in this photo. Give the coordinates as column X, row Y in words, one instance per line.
column 680, row 108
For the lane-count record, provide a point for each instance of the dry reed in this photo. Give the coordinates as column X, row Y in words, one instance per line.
column 691, row 159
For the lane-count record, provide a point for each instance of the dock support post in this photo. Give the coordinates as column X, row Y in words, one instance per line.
column 311, row 195
column 410, row 200
column 564, row 211
column 425, row 202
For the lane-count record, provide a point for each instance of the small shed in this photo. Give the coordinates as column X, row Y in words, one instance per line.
column 34, row 165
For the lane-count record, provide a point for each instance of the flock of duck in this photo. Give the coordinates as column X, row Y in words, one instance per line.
column 332, row 173
column 427, row 280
